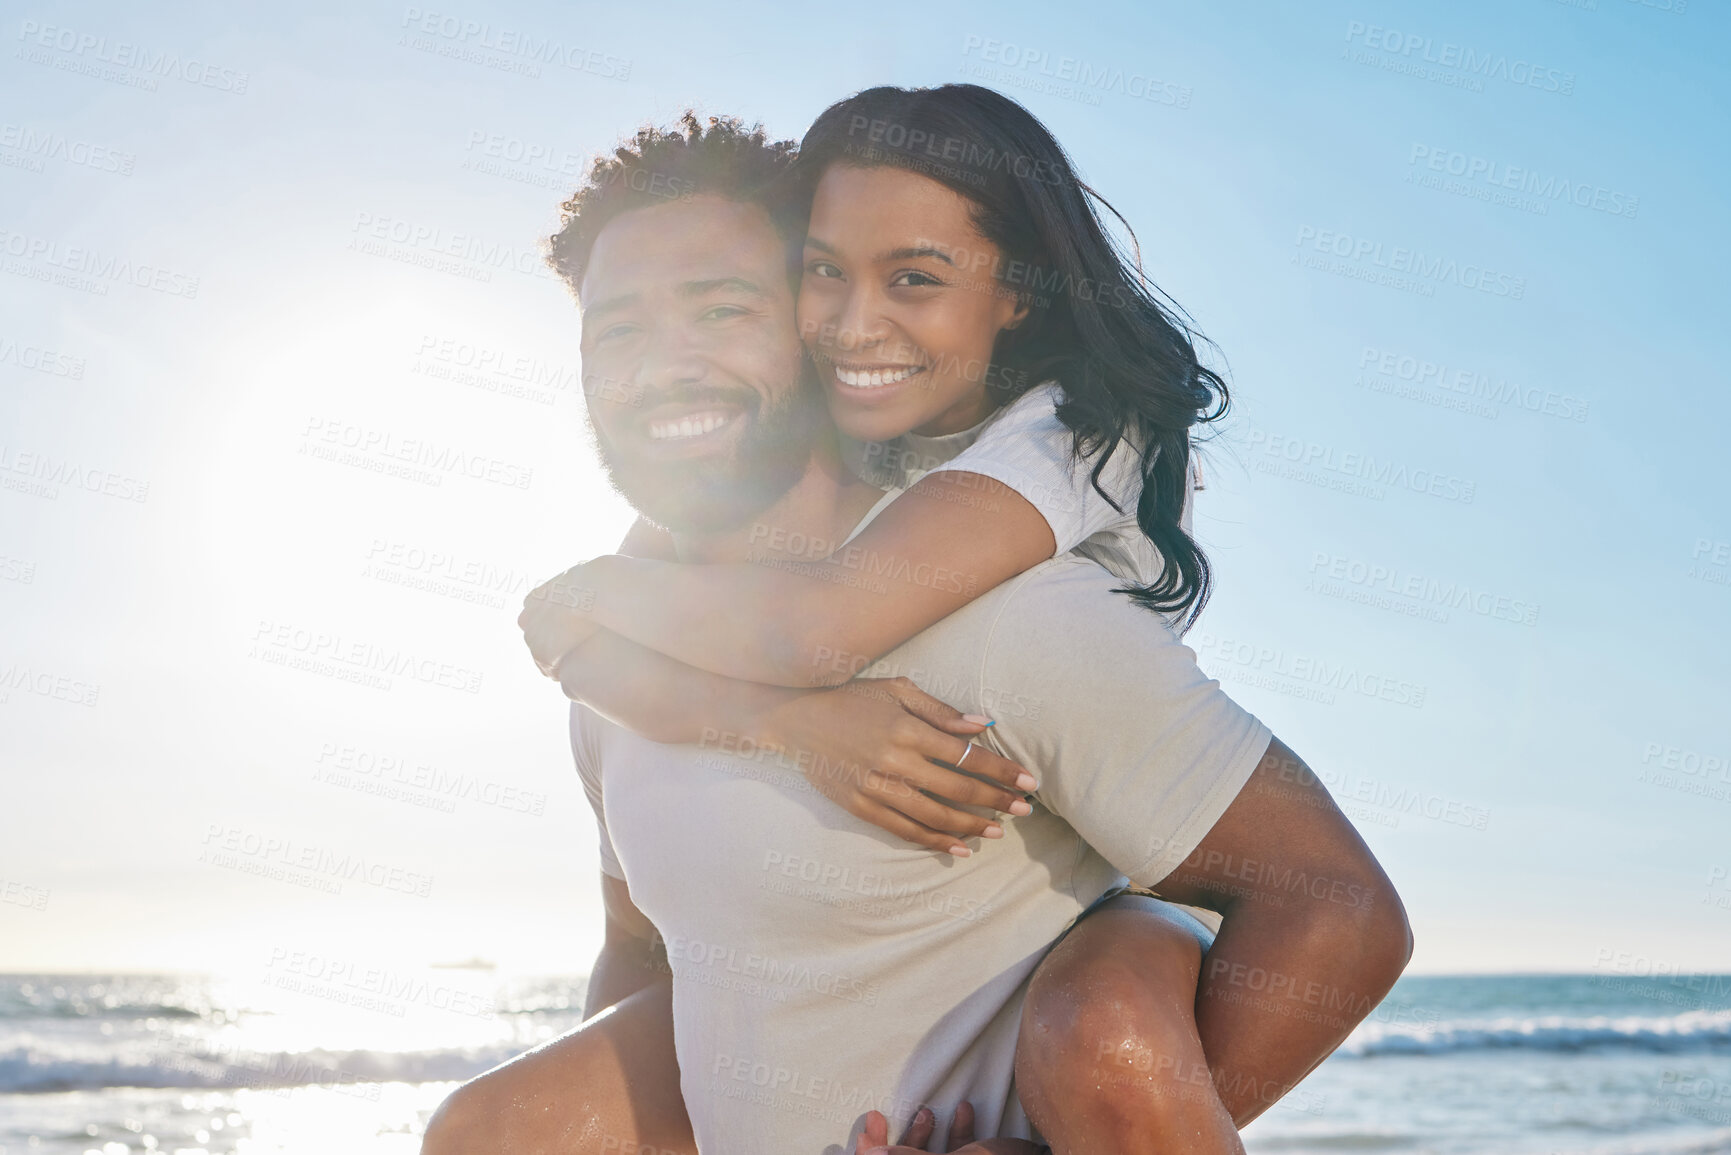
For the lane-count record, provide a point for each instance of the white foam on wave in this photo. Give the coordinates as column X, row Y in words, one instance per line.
column 1692, row 1030
column 39, row 1067
column 1698, row 1143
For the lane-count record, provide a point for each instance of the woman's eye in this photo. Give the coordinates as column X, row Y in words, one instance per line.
column 823, row 269
column 914, row 279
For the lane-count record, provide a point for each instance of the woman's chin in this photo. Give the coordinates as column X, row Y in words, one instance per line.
column 870, row 424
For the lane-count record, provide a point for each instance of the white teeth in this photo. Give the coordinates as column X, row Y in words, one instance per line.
column 693, row 426
column 874, row 378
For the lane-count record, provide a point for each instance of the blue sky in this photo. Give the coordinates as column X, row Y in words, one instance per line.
column 1471, row 519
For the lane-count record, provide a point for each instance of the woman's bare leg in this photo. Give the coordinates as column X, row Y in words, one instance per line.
column 1314, row 936
column 610, row 1086
column 1109, row 1059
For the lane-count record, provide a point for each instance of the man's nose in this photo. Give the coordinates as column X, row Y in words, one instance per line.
column 670, row 361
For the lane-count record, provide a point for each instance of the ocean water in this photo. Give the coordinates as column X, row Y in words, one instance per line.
column 306, row 1059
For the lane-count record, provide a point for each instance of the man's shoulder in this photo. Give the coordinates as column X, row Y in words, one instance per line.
column 1061, row 609
column 1067, row 610
column 1074, row 586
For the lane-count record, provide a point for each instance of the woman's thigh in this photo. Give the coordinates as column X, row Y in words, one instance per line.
column 610, row 1086
column 1108, row 1050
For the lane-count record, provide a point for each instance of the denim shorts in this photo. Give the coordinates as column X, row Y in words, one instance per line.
column 1208, row 920
column 1114, row 892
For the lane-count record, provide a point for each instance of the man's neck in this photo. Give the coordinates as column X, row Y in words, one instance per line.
column 821, row 508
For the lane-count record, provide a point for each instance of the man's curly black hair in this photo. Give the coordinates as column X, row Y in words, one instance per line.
column 722, row 158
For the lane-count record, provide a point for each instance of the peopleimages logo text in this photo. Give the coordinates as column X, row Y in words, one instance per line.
column 517, row 42
column 1544, row 187
column 1412, row 262
column 1089, row 77
column 122, row 54
column 1459, row 58
column 102, row 266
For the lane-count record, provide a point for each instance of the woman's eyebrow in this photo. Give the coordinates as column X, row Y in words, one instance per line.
column 910, row 254
column 902, row 254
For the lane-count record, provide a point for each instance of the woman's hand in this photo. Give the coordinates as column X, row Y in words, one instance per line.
column 872, row 747
column 555, row 618
column 874, row 1140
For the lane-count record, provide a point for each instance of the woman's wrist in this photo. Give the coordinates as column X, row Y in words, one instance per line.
column 763, row 717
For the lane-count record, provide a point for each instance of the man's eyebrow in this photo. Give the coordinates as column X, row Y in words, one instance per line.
column 718, row 284
column 608, row 305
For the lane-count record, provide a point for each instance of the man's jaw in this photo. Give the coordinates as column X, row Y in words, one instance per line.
column 720, row 457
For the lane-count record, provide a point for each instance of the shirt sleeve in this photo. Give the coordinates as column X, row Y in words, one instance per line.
column 1135, row 747
column 1032, row 452
column 588, row 760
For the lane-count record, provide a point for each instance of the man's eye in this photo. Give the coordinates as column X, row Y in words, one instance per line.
column 613, row 332
column 722, row 313
column 914, row 279
column 823, row 269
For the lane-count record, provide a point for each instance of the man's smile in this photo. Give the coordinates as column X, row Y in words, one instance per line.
column 681, row 427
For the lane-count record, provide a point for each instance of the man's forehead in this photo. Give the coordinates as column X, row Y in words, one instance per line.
column 701, row 239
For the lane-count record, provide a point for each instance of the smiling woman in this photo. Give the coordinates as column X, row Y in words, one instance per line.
column 904, row 335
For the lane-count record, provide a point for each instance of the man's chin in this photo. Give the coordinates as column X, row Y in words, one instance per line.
column 703, row 495
column 726, row 484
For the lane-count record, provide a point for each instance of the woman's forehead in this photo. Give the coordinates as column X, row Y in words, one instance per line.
column 889, row 206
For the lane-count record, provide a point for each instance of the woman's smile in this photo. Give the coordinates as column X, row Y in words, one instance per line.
column 874, row 377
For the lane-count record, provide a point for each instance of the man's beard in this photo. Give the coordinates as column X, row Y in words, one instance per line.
column 720, row 492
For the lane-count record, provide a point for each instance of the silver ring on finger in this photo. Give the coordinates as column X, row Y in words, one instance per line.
column 964, row 757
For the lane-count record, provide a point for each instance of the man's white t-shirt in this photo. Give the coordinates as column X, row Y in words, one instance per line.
column 823, row 967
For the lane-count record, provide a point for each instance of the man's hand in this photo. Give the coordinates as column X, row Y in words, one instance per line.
column 874, row 1140
column 555, row 618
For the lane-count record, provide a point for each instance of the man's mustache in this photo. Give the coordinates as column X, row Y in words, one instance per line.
column 746, row 399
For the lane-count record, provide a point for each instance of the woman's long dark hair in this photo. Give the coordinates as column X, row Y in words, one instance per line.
column 1126, row 363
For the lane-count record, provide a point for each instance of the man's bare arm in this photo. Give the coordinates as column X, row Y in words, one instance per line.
column 631, row 957
column 1313, row 934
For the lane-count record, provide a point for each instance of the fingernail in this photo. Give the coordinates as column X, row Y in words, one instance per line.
column 977, row 719
column 961, row 852
column 923, row 1114
column 1026, row 782
column 879, row 1151
column 1020, row 808
column 993, row 830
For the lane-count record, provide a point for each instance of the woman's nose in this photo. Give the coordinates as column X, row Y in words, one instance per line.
column 860, row 324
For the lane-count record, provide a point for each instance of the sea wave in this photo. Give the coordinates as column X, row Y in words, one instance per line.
column 42, row 1068
column 1691, row 1031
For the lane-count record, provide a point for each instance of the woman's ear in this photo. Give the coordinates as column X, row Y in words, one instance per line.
column 1018, row 316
